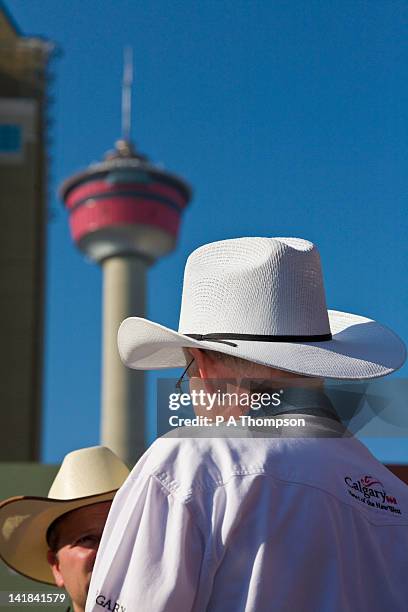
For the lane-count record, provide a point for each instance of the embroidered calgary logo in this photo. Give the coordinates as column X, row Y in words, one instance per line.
column 371, row 492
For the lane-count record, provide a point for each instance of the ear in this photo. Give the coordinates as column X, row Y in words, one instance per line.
column 200, row 381
column 207, row 372
column 211, row 368
column 212, row 372
column 202, row 362
column 52, row 559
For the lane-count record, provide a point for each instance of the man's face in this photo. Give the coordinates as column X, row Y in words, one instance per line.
column 77, row 540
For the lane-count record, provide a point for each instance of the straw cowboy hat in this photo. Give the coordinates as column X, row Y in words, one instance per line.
column 87, row 476
column 263, row 299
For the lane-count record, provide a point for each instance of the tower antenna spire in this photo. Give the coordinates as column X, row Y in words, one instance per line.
column 127, row 92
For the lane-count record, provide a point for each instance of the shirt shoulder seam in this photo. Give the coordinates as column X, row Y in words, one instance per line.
column 172, row 487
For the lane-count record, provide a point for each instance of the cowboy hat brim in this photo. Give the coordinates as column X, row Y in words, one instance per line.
column 360, row 349
column 24, row 522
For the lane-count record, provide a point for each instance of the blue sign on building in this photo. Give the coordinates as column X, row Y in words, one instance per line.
column 10, row 138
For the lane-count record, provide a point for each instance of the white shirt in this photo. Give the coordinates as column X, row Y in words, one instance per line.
column 238, row 524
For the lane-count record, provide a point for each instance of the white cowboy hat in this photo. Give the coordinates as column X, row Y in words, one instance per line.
column 262, row 299
column 87, row 476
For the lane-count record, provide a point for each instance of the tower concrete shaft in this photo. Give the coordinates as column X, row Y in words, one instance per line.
column 123, row 391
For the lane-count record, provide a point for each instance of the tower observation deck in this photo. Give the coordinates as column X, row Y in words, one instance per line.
column 125, row 205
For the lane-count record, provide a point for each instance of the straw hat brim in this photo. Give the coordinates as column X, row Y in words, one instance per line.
column 24, row 522
column 360, row 348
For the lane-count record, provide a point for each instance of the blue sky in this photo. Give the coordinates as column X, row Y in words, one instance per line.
column 287, row 118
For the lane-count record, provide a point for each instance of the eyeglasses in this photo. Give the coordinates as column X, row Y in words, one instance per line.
column 180, row 380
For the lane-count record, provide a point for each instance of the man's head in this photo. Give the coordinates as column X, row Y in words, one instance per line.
column 54, row 539
column 73, row 541
column 208, row 370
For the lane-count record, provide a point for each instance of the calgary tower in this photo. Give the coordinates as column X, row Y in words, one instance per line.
column 124, row 213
